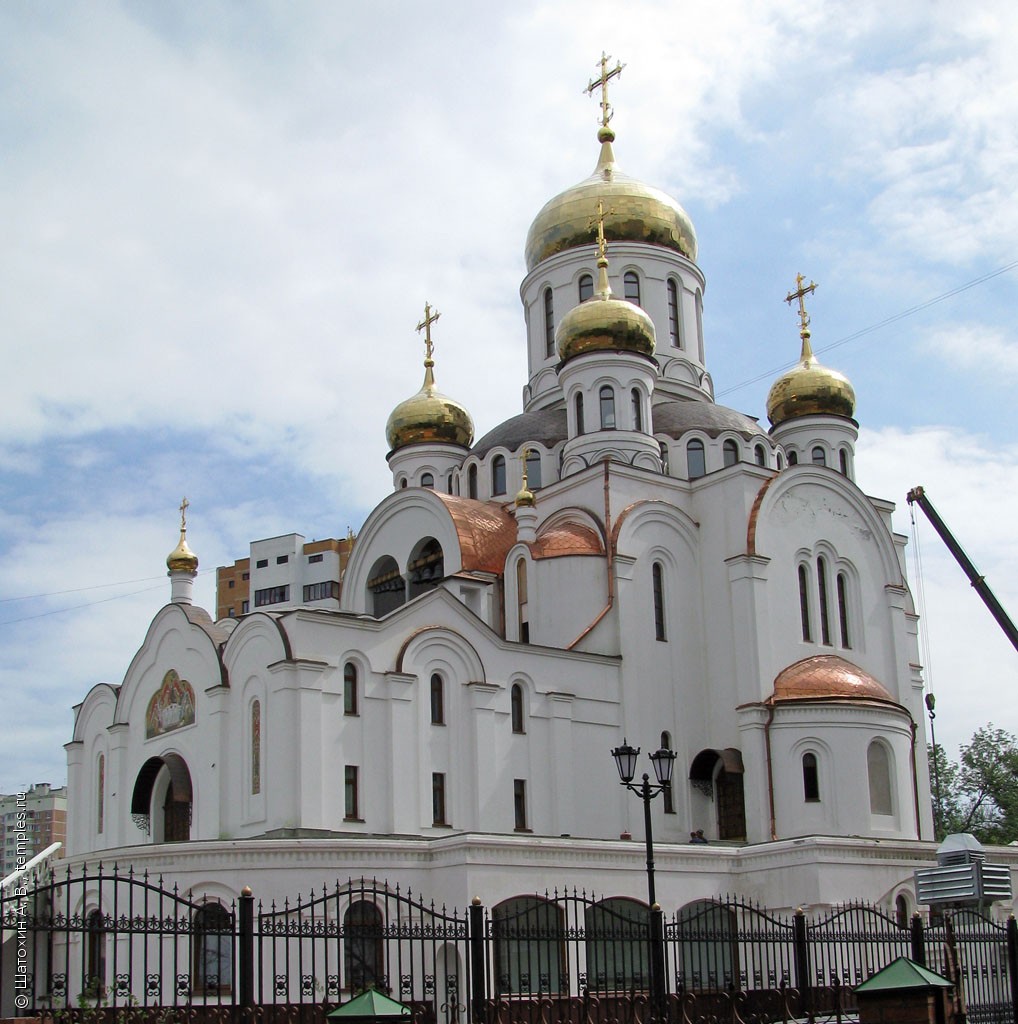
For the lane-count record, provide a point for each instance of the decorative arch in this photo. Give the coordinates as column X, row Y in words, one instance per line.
column 435, row 647
column 718, row 774
column 161, row 803
column 529, row 934
column 426, row 568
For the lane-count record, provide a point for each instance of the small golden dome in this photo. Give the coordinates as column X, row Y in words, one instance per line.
column 809, row 389
column 636, row 212
column 525, row 497
column 604, row 323
column 182, row 558
column 429, row 417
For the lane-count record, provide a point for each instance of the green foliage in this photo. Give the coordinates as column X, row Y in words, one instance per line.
column 979, row 792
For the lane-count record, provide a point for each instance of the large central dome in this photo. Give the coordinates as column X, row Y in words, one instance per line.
column 634, row 212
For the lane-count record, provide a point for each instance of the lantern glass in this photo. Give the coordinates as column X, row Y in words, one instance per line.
column 625, row 760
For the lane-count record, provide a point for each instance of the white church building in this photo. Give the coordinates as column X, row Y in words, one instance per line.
column 625, row 560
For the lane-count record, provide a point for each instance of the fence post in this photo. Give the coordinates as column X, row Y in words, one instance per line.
column 1012, row 962
column 246, row 972
column 478, row 976
column 918, row 940
column 802, row 978
column 657, row 961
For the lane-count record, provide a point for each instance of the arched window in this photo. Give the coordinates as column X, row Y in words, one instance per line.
column 807, row 633
column 696, row 463
column 731, row 452
column 708, row 962
column 843, row 461
column 549, row 323
column 607, row 399
column 350, row 689
column 516, row 709
column 617, row 946
column 760, row 455
column 810, row 778
column 825, row 617
column 843, row 609
column 437, row 700
column 402, row 483
column 100, row 788
column 878, row 768
column 426, row 568
column 674, row 335
column 427, row 480
column 578, row 406
column 472, row 481
column 793, row 459
column 637, row 403
column 901, row 918
column 699, row 323
column 631, row 286
column 529, row 935
column 386, row 586
column 363, row 953
column 781, row 462
column 657, row 576
column 256, row 746
column 448, row 484
column 819, row 456
column 212, row 949
column 522, row 601
column 667, row 793
column 533, row 469
column 586, row 287
column 498, row 475
column 95, row 982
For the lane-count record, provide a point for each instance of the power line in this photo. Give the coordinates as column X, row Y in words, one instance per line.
column 76, row 607
column 767, row 374
column 97, row 586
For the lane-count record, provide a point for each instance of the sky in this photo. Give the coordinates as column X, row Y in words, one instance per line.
column 220, row 223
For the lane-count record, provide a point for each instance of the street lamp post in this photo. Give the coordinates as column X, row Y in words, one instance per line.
column 663, row 761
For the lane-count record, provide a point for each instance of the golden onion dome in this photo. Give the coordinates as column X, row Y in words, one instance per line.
column 604, row 324
column 637, row 212
column 182, row 558
column 429, row 417
column 809, row 389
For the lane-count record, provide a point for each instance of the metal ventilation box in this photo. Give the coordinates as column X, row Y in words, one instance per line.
column 962, row 878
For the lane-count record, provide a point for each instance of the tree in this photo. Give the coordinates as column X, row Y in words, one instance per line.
column 979, row 792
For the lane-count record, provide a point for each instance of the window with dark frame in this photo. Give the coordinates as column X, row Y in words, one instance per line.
column 516, row 708
column 810, row 778
column 657, row 575
column 520, row 805
column 549, row 323
column 843, row 609
column 350, row 689
column 631, row 287
column 578, row 406
column 674, row 334
column 351, row 796
column 586, row 287
column 696, row 461
column 825, row 617
column 606, row 397
column 438, row 799
column 271, row 595
column 498, row 475
column 437, row 700
column 807, row 632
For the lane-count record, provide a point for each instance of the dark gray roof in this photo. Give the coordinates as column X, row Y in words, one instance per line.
column 543, row 426
column 675, row 418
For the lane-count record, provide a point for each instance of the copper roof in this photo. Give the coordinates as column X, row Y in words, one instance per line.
column 567, row 539
column 486, row 532
column 827, row 677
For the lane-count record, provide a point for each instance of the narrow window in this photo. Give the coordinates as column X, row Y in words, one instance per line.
column 819, row 456
column 364, row 952
column 438, row 799
column 673, row 314
column 807, row 633
column 520, row 804
column 781, row 462
column 637, row 401
column 256, row 746
column 631, row 287
column 657, row 573
column 843, row 461
column 403, row 484
column 699, row 323
column 516, row 708
column 96, row 953
column 427, row 480
column 607, row 398
column 578, row 404
column 533, row 469
column 448, row 484
column 472, row 481
column 879, row 770
column 793, row 459
column 843, row 609
column 498, row 475
column 696, row 463
column 437, row 700
column 825, row 618
column 667, row 795
column 731, row 452
column 760, row 455
column 351, row 796
column 586, row 287
column 810, row 778
column 549, row 323
column 350, row 689
column 101, row 791
column 522, row 601
column 901, row 911
column 212, row 938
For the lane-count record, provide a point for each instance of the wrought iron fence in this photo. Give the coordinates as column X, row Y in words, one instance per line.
column 90, row 945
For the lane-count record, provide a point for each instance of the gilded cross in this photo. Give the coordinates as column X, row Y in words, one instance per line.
column 524, row 455
column 430, row 316
column 801, row 291
column 602, row 84
column 602, row 244
column 184, row 506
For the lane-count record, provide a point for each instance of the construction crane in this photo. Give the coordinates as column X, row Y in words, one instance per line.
column 917, row 496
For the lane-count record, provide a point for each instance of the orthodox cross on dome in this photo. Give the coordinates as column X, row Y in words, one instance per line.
column 184, row 506
column 524, row 455
column 430, row 316
column 602, row 83
column 801, row 291
column 602, row 242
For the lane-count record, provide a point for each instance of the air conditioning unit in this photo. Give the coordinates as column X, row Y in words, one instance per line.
column 962, row 878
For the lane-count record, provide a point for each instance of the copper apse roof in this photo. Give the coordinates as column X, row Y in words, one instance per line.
column 827, row 677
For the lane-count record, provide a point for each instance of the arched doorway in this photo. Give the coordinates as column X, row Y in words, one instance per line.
column 162, row 799
column 717, row 774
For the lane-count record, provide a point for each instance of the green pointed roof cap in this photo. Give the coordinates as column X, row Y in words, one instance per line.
column 370, row 1005
column 902, row 974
